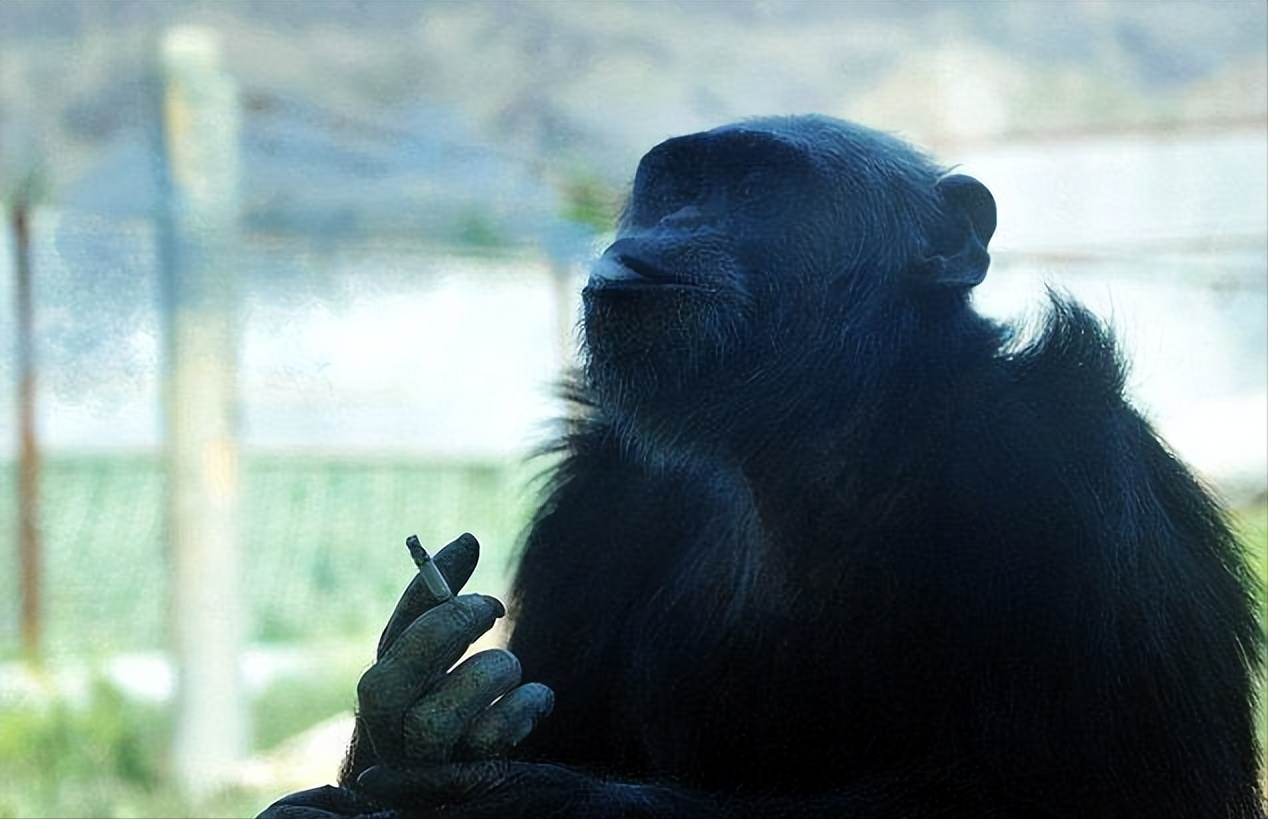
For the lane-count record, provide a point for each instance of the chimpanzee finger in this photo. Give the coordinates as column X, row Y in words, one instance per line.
column 501, row 726
column 415, row 661
column 456, row 562
column 434, row 724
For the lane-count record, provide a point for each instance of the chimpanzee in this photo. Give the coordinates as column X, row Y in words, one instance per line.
column 824, row 541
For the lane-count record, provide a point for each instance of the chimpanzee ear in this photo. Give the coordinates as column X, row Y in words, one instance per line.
column 957, row 245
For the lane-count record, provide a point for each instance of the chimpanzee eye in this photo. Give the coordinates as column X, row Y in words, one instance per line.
column 659, row 192
column 757, row 186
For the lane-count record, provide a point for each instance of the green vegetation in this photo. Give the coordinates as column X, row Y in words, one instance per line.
column 476, row 230
column 103, row 757
column 1253, row 528
column 296, row 702
column 324, row 539
column 326, row 560
column 100, row 758
column 590, row 200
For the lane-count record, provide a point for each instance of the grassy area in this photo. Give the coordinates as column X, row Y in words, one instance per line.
column 325, row 562
column 104, row 756
column 323, row 540
column 1253, row 528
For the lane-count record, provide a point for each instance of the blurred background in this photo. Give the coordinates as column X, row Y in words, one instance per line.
column 282, row 283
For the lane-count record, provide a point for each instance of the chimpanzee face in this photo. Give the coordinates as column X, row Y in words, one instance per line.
column 739, row 243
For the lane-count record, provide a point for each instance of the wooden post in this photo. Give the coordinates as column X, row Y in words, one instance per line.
column 200, row 236
column 30, row 549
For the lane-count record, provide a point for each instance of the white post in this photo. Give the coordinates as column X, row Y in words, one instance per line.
column 200, row 125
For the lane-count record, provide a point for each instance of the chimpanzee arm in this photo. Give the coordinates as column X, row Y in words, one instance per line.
column 510, row 790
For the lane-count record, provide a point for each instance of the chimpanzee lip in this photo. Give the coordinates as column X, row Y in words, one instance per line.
column 641, row 268
column 626, row 271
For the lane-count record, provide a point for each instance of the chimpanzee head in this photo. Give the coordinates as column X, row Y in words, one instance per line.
column 745, row 249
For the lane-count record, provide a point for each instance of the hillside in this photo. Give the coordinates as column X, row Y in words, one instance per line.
column 467, row 120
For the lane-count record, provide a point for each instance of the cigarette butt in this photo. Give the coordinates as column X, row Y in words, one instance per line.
column 432, row 578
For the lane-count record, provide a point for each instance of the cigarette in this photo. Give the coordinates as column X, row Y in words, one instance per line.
column 432, row 578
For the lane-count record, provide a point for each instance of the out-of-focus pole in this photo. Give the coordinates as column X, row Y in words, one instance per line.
column 30, row 548
column 200, row 243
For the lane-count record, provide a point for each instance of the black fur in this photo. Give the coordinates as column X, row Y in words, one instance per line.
column 872, row 555
column 824, row 542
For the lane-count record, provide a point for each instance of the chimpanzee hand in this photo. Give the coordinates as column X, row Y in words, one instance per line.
column 412, row 711
column 412, row 715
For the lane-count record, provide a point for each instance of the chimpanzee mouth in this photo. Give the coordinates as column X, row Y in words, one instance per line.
column 622, row 269
column 627, row 271
column 641, row 268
